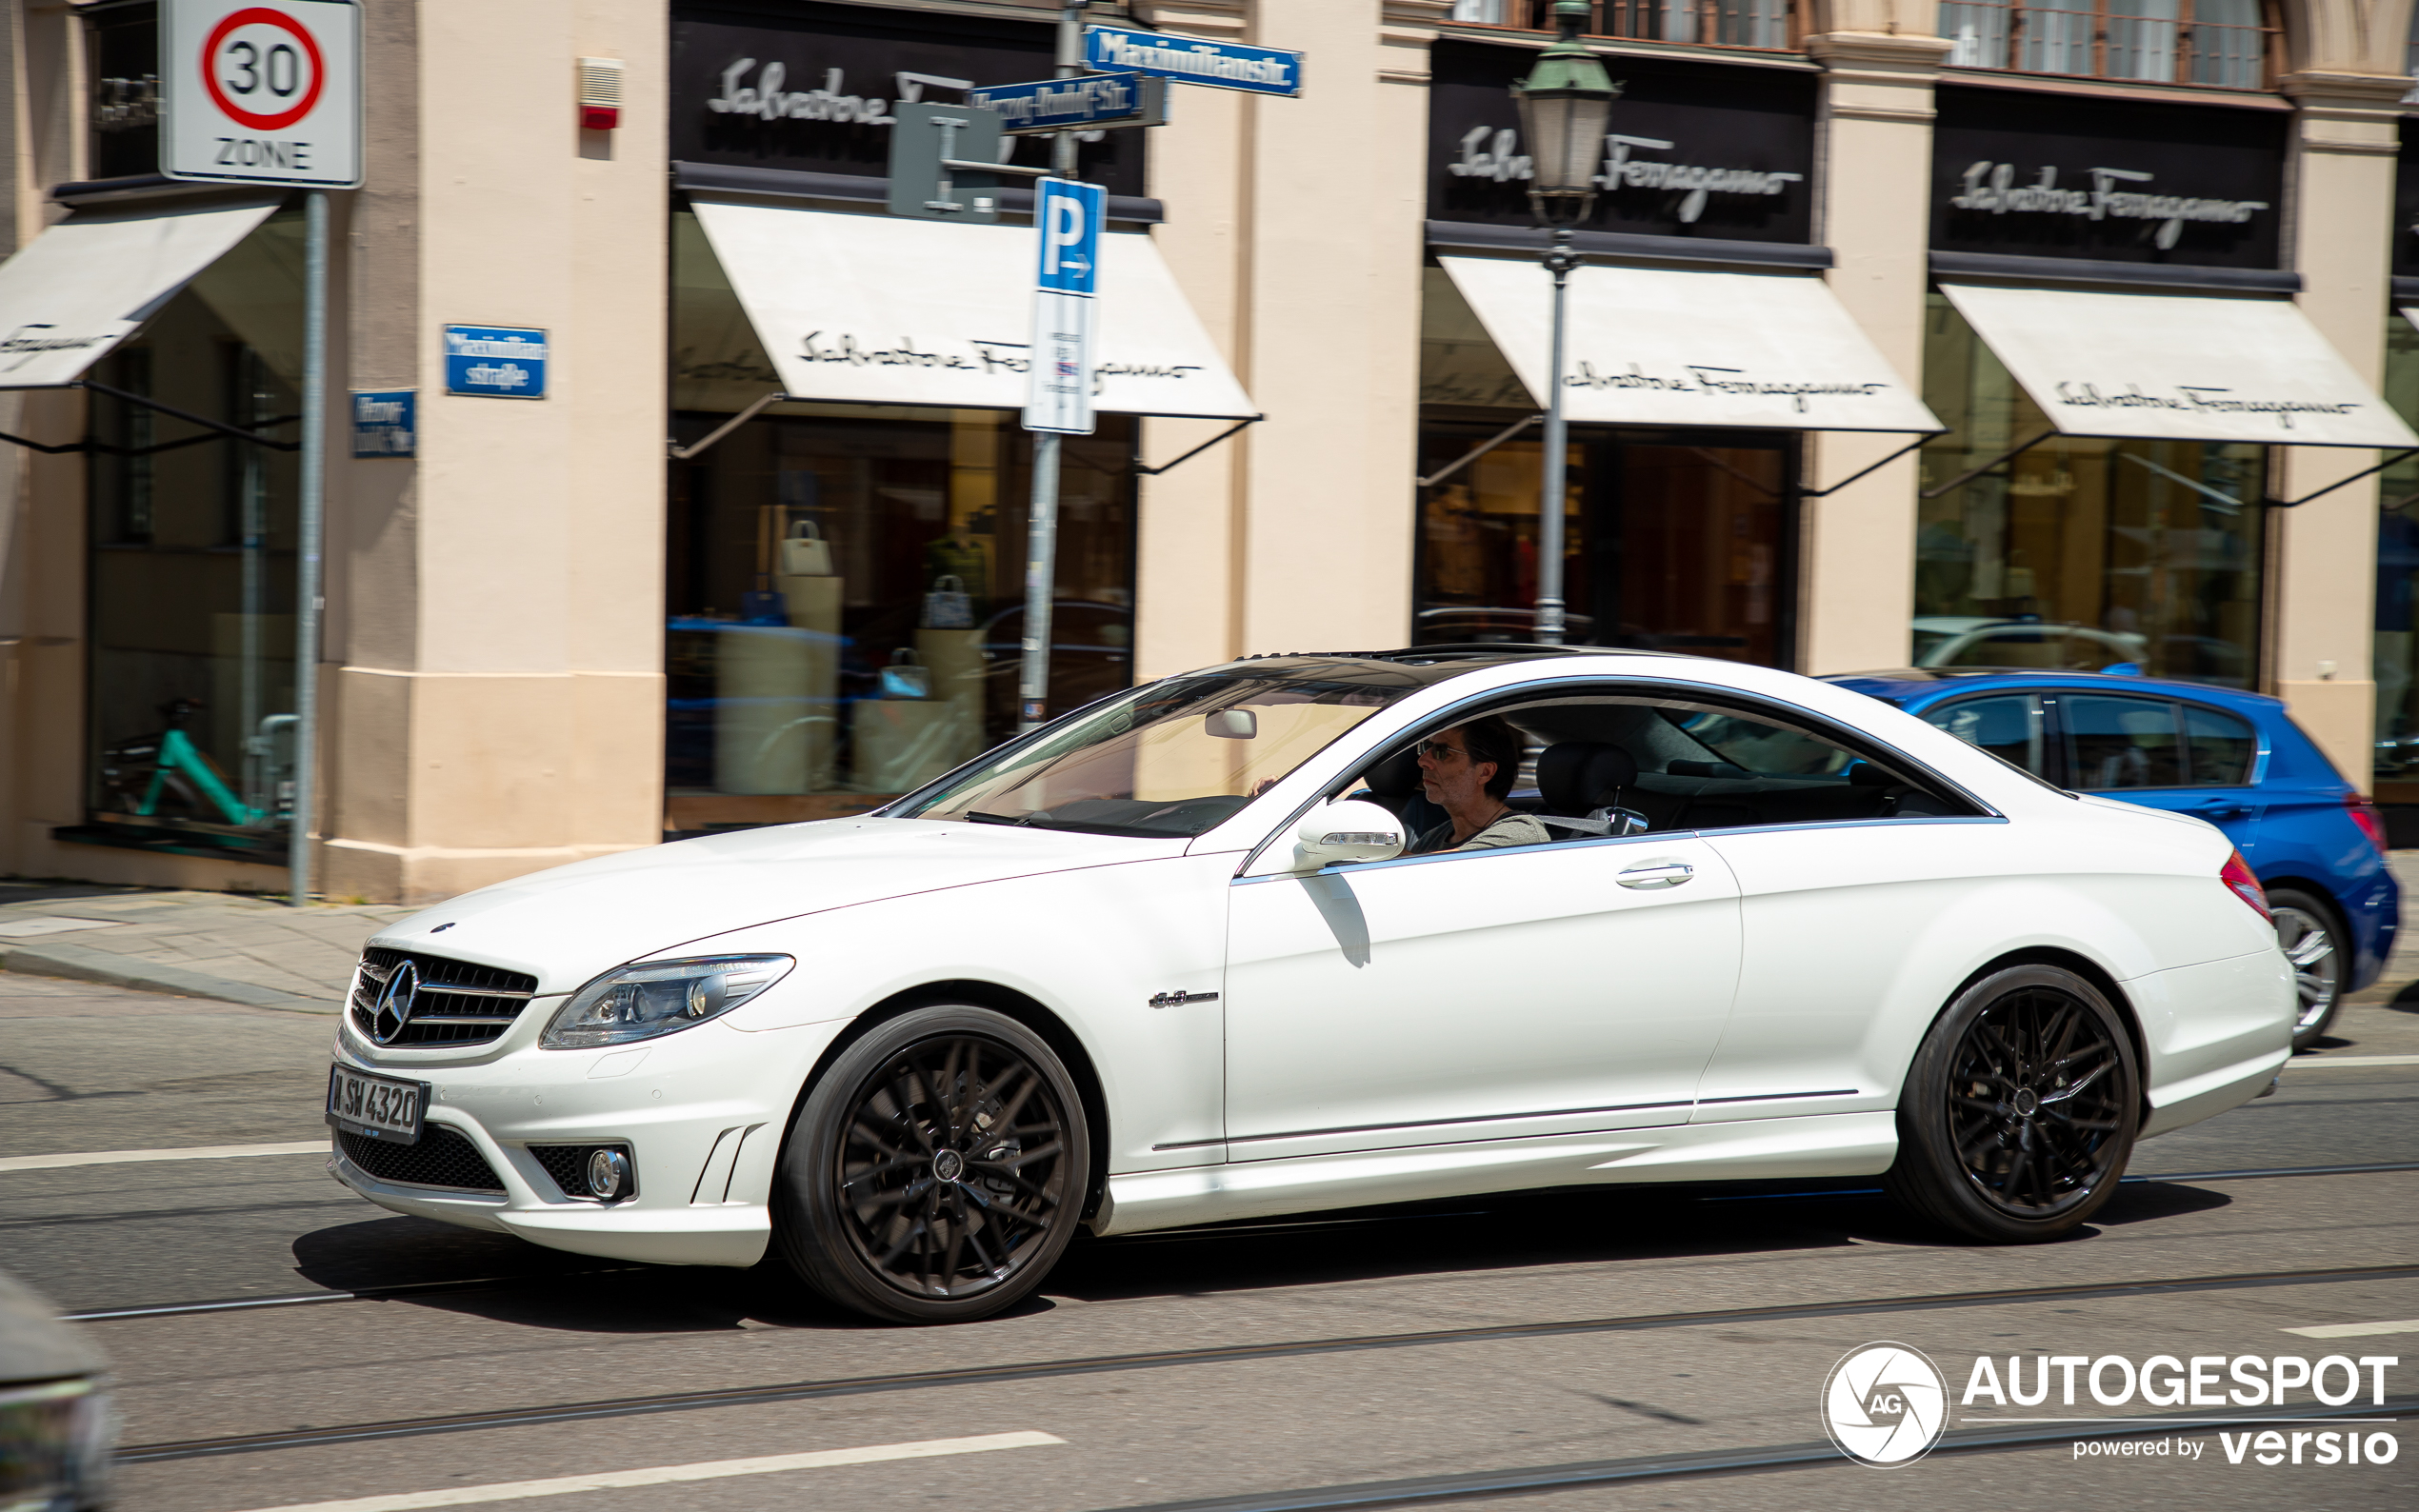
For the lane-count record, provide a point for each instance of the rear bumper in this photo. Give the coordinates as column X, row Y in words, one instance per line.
column 2215, row 1034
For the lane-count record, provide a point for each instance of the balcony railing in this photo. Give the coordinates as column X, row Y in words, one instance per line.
column 1766, row 25
column 2222, row 44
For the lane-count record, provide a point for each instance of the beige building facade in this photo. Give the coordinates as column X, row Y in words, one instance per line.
column 560, row 627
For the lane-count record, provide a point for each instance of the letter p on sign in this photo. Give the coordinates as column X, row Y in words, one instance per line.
column 1069, row 215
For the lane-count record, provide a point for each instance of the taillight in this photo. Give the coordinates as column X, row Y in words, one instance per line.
column 2237, row 875
column 2364, row 814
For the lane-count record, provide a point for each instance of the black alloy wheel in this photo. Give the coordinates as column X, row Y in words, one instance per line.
column 937, row 1170
column 2020, row 1109
column 2306, row 931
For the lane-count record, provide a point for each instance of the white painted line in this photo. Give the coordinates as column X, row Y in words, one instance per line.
column 2401, row 1325
column 52, row 924
column 671, row 1474
column 2304, row 1062
column 192, row 1152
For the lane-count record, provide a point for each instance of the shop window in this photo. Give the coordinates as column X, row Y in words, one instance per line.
column 845, row 584
column 2083, row 553
column 1763, row 24
column 2396, row 642
column 2219, row 43
column 122, row 111
column 192, row 564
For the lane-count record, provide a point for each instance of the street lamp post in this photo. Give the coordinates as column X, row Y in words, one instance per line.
column 1565, row 105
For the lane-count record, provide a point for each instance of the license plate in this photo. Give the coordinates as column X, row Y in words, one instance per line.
column 377, row 1106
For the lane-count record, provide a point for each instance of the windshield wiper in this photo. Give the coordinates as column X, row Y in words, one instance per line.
column 996, row 819
column 1075, row 826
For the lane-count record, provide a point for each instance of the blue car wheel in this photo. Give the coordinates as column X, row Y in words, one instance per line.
column 2313, row 942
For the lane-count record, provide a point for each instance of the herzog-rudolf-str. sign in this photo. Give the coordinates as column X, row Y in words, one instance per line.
column 261, row 93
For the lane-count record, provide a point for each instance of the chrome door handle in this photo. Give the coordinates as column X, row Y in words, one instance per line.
column 1657, row 874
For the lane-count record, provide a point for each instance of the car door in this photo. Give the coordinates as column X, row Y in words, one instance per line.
column 1843, row 921
column 1542, row 990
column 2162, row 753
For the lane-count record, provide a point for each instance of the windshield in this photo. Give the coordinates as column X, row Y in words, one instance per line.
column 1174, row 758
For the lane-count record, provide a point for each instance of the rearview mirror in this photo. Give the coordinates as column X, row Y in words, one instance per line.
column 1232, row 723
column 1346, row 829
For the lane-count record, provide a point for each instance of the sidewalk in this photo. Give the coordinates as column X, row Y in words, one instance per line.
column 196, row 944
column 264, row 955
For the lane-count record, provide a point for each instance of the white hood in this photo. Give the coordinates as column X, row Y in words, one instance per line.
column 567, row 925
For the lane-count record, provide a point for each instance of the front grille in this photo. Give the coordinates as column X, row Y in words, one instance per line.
column 444, row 1156
column 457, row 1003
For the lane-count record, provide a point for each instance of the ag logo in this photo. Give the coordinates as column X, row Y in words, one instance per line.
column 1885, row 1404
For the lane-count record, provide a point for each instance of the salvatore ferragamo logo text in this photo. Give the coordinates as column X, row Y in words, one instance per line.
column 1490, row 152
column 1730, row 382
column 1992, row 188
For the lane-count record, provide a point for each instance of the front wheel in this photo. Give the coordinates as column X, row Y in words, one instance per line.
column 2311, row 939
column 936, row 1171
column 2019, row 1111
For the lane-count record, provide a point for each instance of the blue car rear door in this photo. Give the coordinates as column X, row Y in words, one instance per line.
column 2162, row 753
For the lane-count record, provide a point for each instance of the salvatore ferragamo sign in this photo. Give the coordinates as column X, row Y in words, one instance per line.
column 1698, row 149
column 2106, row 180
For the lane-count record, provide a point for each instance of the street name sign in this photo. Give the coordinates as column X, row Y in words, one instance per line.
column 1084, row 103
column 253, row 93
column 495, row 362
column 1189, row 60
column 925, row 139
column 1059, row 393
column 382, row 423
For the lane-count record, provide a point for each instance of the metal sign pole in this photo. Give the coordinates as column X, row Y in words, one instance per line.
column 1041, row 531
column 307, row 597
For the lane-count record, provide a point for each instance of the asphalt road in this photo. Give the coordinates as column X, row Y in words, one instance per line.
column 1618, row 1348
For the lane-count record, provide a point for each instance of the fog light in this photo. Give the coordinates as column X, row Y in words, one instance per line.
column 608, row 1174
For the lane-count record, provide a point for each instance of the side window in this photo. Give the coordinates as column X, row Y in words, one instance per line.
column 2006, row 725
column 2221, row 747
column 1760, row 749
column 2120, row 742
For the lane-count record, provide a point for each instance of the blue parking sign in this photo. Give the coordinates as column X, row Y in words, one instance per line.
column 1068, row 216
column 495, row 362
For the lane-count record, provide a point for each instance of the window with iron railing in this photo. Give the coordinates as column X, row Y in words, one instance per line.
column 2219, row 43
column 1765, row 24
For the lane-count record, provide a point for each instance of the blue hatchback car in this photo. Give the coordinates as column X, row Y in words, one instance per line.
column 2234, row 758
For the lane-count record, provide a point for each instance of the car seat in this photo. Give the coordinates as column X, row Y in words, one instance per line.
column 1584, row 782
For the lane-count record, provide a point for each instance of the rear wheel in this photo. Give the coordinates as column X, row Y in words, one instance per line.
column 2314, row 943
column 2020, row 1109
column 937, row 1170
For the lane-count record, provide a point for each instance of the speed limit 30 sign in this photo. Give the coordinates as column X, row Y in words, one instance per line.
column 261, row 93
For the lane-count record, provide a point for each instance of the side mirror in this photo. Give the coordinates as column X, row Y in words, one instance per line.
column 1346, row 829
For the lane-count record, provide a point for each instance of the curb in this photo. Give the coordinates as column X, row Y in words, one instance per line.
column 84, row 964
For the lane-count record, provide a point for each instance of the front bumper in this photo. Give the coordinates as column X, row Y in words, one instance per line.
column 703, row 1112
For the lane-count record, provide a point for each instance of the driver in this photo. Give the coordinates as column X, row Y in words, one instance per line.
column 1465, row 771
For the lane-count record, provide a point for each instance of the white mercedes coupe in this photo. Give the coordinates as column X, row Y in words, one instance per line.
column 1169, row 959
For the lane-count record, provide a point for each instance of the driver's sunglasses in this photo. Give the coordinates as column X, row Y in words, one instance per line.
column 1437, row 748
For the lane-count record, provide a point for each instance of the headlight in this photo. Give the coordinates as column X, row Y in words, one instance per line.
column 659, row 997
column 55, row 1441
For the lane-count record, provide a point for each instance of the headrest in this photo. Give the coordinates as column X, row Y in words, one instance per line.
column 1395, row 777
column 1578, row 776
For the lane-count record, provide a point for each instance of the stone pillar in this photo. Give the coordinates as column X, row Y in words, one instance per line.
column 1329, row 321
column 1857, row 577
column 2324, row 554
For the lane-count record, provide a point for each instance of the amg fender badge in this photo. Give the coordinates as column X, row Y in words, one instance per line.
column 1177, row 1000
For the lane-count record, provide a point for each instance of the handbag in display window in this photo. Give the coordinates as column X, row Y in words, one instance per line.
column 906, row 677
column 949, row 606
column 804, row 552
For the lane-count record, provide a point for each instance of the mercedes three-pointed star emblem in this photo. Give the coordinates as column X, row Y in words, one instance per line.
column 395, row 1000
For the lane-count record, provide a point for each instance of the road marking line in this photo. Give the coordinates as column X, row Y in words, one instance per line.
column 669, row 1474
column 2303, row 1062
column 2402, row 1325
column 193, row 1152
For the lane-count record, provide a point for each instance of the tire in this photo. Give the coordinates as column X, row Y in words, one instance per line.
column 2019, row 1111
column 936, row 1171
column 2314, row 941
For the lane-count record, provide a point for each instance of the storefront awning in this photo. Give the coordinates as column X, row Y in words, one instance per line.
column 871, row 310
column 1675, row 346
column 89, row 282
column 2178, row 367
